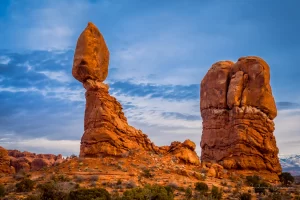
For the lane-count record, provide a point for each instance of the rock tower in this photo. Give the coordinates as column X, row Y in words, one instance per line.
column 106, row 131
column 238, row 108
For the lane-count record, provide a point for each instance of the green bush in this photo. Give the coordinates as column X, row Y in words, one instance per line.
column 149, row 192
column 89, row 194
column 201, row 187
column 2, row 190
column 94, row 178
column 286, row 178
column 188, row 193
column 253, row 180
column 147, row 173
column 245, row 196
column 60, row 178
column 25, row 185
column 261, row 187
column 51, row 191
column 216, row 193
column 275, row 196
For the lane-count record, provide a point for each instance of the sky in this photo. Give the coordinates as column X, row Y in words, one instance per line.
column 159, row 53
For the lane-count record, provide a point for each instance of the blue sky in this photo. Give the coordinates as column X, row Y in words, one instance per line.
column 160, row 51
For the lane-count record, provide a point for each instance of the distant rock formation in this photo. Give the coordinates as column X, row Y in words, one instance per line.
column 106, row 131
column 27, row 161
column 5, row 167
column 238, row 108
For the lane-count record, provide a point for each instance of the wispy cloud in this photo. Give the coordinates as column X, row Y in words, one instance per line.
column 60, row 76
column 4, row 60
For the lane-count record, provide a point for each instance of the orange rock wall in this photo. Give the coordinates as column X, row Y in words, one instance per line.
column 238, row 108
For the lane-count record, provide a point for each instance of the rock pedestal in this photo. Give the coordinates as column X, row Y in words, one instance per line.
column 106, row 131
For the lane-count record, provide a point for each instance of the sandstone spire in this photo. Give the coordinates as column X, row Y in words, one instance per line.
column 238, row 108
column 106, row 131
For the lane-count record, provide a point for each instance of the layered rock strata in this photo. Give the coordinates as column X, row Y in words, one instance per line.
column 238, row 108
column 106, row 131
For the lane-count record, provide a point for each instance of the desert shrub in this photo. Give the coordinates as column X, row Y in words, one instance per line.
column 151, row 192
column 130, row 184
column 10, row 188
column 53, row 191
column 245, row 196
column 25, row 185
column 60, row 178
column 261, row 187
column 119, row 182
column 173, row 185
column 169, row 189
column 147, row 173
column 253, row 180
column 286, row 178
column 2, row 190
column 94, row 178
column 256, row 182
column 201, row 187
column 79, row 179
column 275, row 196
column 216, row 193
column 188, row 193
column 89, row 194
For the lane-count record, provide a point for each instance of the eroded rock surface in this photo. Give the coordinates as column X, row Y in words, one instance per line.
column 106, row 131
column 238, row 108
column 28, row 161
column 91, row 57
column 5, row 161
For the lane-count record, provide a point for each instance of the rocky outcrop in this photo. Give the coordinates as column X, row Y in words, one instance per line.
column 184, row 152
column 27, row 161
column 106, row 131
column 5, row 162
column 238, row 108
column 91, row 56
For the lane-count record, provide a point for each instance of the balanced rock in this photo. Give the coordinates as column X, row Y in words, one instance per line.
column 91, row 56
column 106, row 130
column 238, row 108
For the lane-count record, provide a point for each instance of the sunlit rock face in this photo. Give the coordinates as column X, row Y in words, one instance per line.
column 106, row 131
column 238, row 108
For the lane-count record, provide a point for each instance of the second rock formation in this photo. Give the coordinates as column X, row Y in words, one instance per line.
column 238, row 108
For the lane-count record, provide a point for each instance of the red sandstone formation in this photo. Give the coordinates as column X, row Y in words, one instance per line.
column 91, row 56
column 238, row 108
column 5, row 162
column 106, row 131
column 30, row 161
